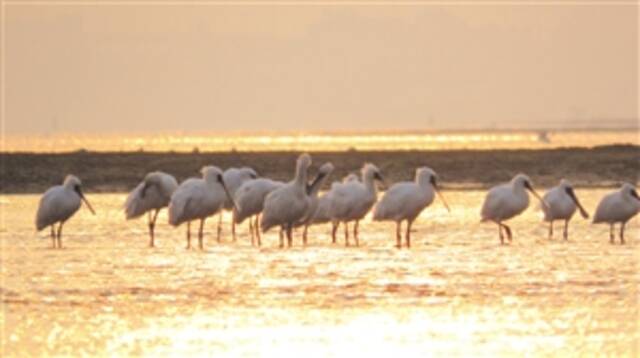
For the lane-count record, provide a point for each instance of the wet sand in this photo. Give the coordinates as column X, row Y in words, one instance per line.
column 463, row 169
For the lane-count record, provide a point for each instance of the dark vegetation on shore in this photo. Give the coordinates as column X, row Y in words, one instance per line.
column 605, row 166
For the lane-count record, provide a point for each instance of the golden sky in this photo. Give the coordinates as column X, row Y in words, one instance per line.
column 229, row 68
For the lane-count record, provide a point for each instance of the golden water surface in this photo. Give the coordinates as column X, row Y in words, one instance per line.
column 456, row 292
column 217, row 142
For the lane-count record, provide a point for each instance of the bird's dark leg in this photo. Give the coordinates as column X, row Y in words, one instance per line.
column 53, row 235
column 281, row 236
column 508, row 231
column 252, row 231
column 233, row 225
column 622, row 233
column 408, row 234
column 611, row 234
column 289, row 235
column 304, row 234
column 550, row 229
column 346, row 233
column 257, row 228
column 152, row 226
column 501, row 235
column 219, row 227
column 565, row 233
column 188, row 235
column 201, row 235
column 398, row 235
column 355, row 232
column 59, row 235
column 334, row 228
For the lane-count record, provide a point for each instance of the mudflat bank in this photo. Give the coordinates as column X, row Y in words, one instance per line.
column 604, row 166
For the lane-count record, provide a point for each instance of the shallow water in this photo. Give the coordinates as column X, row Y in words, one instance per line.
column 456, row 292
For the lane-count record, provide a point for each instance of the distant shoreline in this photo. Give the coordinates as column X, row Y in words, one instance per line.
column 604, row 166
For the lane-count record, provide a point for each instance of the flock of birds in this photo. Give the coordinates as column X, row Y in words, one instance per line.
column 267, row 203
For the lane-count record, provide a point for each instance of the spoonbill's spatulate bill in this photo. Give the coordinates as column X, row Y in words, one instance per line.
column 150, row 196
column 618, row 207
column 352, row 200
column 288, row 204
column 234, row 178
column 505, row 201
column 562, row 204
column 197, row 199
column 58, row 204
column 406, row 200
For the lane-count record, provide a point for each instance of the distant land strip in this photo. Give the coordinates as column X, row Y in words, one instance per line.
column 604, row 166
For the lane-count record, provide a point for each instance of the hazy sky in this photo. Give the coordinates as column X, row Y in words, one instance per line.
column 158, row 68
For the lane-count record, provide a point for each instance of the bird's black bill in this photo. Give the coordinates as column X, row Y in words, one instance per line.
column 530, row 188
column 79, row 191
column 634, row 193
column 224, row 186
column 435, row 187
column 316, row 182
column 573, row 197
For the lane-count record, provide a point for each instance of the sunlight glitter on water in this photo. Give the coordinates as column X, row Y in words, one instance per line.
column 456, row 292
column 319, row 142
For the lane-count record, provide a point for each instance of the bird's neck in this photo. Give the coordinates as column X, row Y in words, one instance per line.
column 301, row 176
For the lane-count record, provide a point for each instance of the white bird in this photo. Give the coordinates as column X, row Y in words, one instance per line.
column 287, row 205
column 506, row 201
column 618, row 207
column 562, row 203
column 250, row 200
column 198, row 199
column 406, row 200
column 323, row 173
column 352, row 200
column 58, row 204
column 234, row 178
column 150, row 196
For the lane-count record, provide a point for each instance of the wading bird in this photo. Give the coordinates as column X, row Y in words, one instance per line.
column 58, row 204
column 288, row 204
column 197, row 198
column 234, row 178
column 323, row 173
column 150, row 196
column 250, row 200
column 352, row 200
column 562, row 203
column 406, row 200
column 506, row 201
column 618, row 207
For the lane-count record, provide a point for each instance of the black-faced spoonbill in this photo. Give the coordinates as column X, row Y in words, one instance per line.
column 58, row 204
column 352, row 200
column 250, row 200
column 198, row 199
column 234, row 178
column 618, row 207
column 506, row 201
column 314, row 188
column 562, row 203
column 406, row 200
column 150, row 196
column 287, row 205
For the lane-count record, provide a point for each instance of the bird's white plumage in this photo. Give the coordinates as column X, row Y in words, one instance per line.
column 58, row 203
column 406, row 200
column 353, row 199
column 505, row 201
column 289, row 203
column 250, row 197
column 158, row 188
column 197, row 198
column 234, row 178
column 560, row 205
column 323, row 173
column 618, row 206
